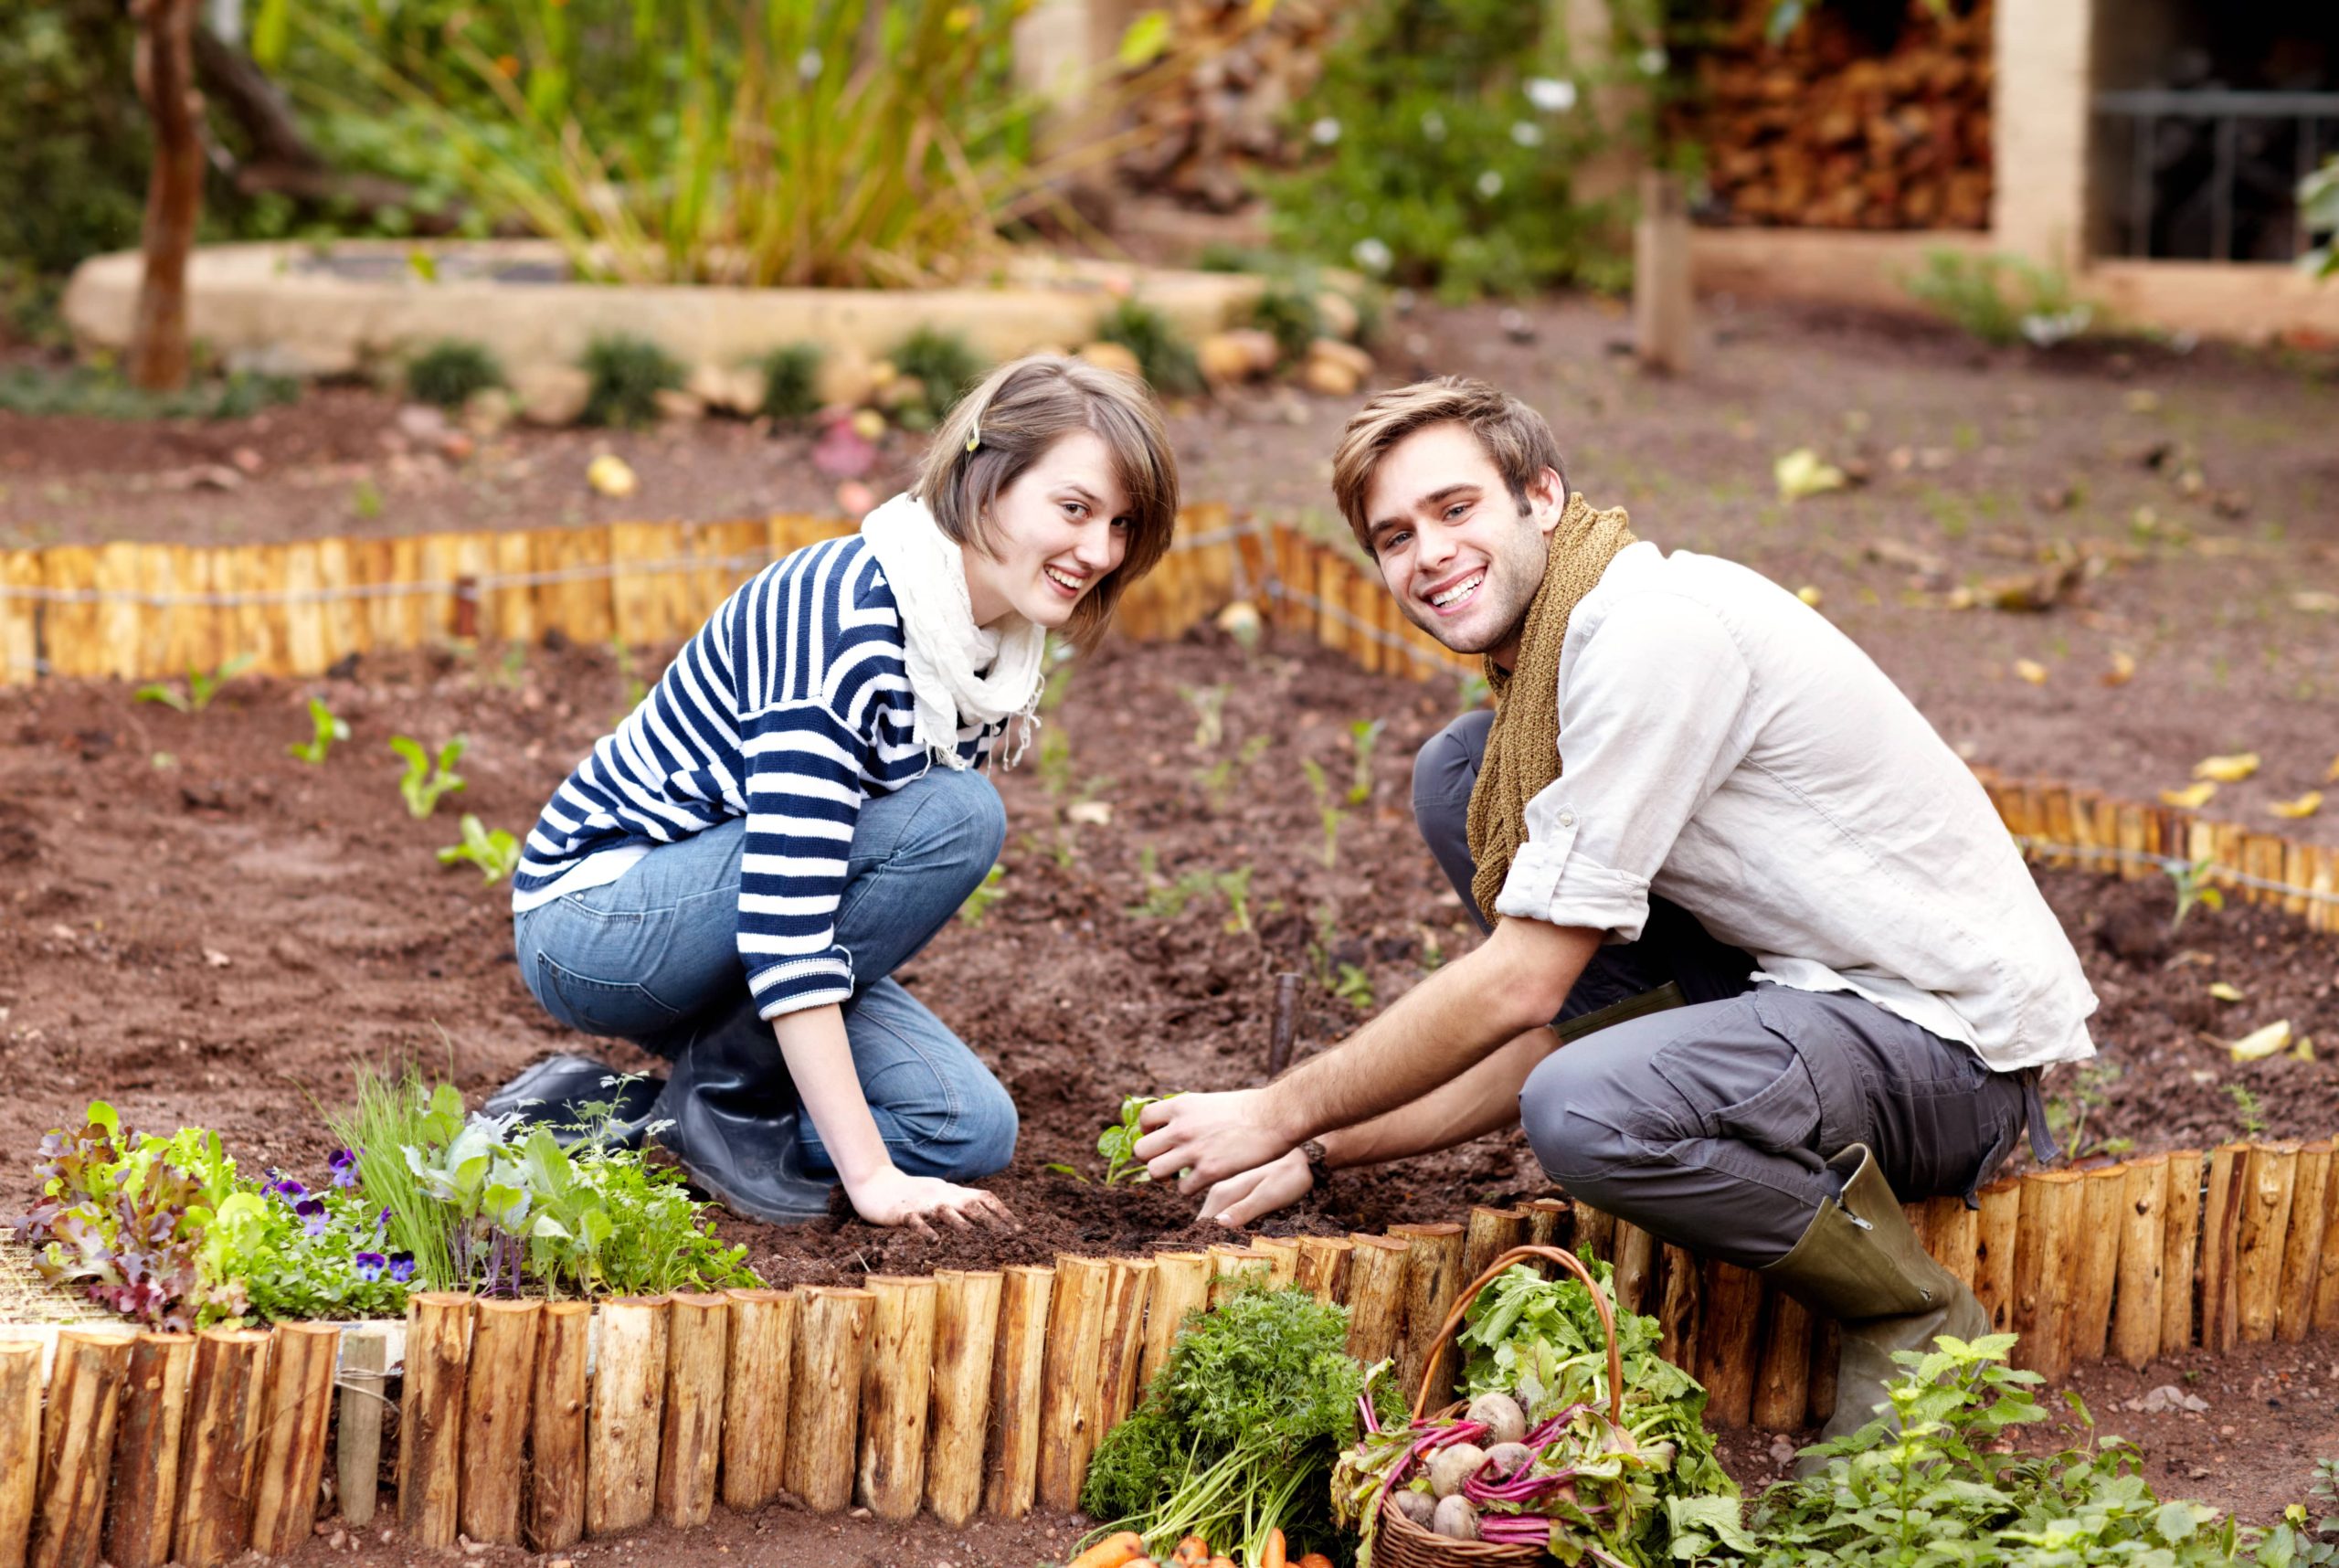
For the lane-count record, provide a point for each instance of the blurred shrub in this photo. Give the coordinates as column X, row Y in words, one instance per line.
column 2000, row 299
column 944, row 366
column 102, row 393
column 73, row 138
column 627, row 374
column 1163, row 358
column 447, row 372
column 1448, row 132
column 791, row 381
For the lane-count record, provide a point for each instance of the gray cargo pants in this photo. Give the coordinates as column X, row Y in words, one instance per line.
column 1710, row 1124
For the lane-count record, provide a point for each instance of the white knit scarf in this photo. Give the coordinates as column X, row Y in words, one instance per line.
column 941, row 642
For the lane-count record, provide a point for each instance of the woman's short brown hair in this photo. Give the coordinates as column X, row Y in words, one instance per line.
column 1516, row 437
column 1011, row 417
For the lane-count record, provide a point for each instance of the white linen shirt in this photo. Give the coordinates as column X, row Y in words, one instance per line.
column 1725, row 746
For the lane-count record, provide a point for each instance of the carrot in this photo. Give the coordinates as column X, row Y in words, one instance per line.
column 1114, row 1551
column 1192, row 1552
column 1272, row 1556
column 1314, row 1560
column 1220, row 1563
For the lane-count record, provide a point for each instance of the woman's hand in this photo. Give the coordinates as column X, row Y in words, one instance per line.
column 1260, row 1191
column 891, row 1197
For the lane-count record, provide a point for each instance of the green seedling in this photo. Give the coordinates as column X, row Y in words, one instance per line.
column 201, row 687
column 365, row 500
column 327, row 729
column 1118, row 1143
column 492, row 850
column 1058, row 682
column 2067, row 1112
column 1353, row 986
column 426, row 778
column 1054, row 764
column 1209, row 703
column 2247, row 1106
column 2193, row 887
column 1167, row 900
column 1329, row 810
column 1218, row 779
column 1363, row 735
column 1237, row 887
column 1475, row 692
column 988, row 893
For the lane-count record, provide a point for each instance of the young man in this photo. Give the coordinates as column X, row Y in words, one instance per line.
column 1799, row 972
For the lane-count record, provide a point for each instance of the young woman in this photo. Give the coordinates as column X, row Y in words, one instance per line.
column 732, row 878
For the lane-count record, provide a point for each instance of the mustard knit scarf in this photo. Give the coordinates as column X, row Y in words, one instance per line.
column 1523, row 746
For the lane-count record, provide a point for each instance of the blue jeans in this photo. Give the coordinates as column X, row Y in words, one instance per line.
column 653, row 958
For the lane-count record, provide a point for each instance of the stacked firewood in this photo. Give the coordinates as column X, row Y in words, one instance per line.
column 1846, row 123
column 1228, row 112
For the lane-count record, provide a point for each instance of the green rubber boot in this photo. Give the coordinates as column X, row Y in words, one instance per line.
column 1861, row 1265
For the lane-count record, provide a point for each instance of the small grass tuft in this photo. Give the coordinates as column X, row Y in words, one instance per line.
column 944, row 365
column 791, row 382
column 1163, row 358
column 626, row 373
column 449, row 371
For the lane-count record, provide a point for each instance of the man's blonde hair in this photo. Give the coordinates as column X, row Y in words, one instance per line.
column 1514, row 436
column 1011, row 419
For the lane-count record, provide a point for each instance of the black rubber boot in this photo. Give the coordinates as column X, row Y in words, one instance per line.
column 553, row 1092
column 732, row 1120
column 1861, row 1264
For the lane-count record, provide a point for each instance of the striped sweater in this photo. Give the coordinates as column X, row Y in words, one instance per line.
column 789, row 707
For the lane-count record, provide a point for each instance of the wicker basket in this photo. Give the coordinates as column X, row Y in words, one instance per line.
column 1398, row 1542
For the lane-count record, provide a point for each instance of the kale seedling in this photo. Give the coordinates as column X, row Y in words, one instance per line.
column 328, row 729
column 494, row 851
column 425, row 780
column 2193, row 887
column 200, row 687
column 988, row 893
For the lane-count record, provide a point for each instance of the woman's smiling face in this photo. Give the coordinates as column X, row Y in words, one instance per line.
column 1055, row 532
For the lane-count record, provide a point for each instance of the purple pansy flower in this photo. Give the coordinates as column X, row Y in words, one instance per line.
column 369, row 1265
column 401, row 1266
column 283, row 1186
column 343, row 1165
column 382, row 1221
column 313, row 1215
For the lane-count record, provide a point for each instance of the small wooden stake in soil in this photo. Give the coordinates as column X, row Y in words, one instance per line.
column 223, row 1394
column 2136, row 1308
column 2269, row 1179
column 1826, row 1352
column 2222, row 1211
column 1548, row 1223
column 20, row 1448
column 357, row 1424
column 1433, row 1277
column 1012, row 1447
column 626, row 1411
column 1782, row 1385
column 1068, row 1394
column 2326, row 1306
column 77, row 1446
column 2309, row 1237
column 495, row 1418
column 145, row 1453
column 1728, row 1340
column 2044, row 1266
column 430, row 1416
column 2180, row 1248
column 1994, row 1237
column 755, row 1407
column 295, row 1420
column 897, row 1395
column 965, row 1330
column 1678, row 1308
column 1323, row 1268
column 1180, row 1286
column 558, row 1420
column 824, row 1404
column 1285, row 1027
column 1489, row 1235
column 1635, row 1265
column 2103, row 1196
column 690, row 1442
column 1376, row 1297
column 1122, row 1349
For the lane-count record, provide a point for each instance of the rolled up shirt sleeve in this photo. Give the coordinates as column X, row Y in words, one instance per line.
column 1652, row 720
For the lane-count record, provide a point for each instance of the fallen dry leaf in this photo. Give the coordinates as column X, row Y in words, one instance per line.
column 1810, row 595
column 1090, row 813
column 2031, row 669
column 2315, row 602
column 610, row 475
column 2261, row 1042
column 2123, row 671
column 2305, row 805
column 2192, row 797
column 2225, row 990
column 2228, row 769
column 1803, row 472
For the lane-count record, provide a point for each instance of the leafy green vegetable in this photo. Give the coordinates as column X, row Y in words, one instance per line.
column 327, row 729
column 1118, row 1143
column 201, row 687
column 425, row 777
column 492, row 850
column 1238, row 1435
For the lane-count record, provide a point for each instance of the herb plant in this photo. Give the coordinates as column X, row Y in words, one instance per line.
column 494, row 851
column 201, row 686
column 428, row 778
column 1118, row 1143
column 326, row 729
column 447, row 372
column 2298, row 1543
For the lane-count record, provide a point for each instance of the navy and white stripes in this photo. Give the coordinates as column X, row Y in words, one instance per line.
column 790, row 706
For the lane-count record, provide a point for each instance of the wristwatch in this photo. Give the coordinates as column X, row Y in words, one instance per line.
column 1318, row 1161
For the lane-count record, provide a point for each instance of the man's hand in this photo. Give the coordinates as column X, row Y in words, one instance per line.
column 1260, row 1191
column 1203, row 1139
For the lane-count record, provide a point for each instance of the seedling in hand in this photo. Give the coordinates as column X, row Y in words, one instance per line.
column 494, row 851
column 328, row 729
column 1118, row 1143
column 425, row 778
column 200, row 687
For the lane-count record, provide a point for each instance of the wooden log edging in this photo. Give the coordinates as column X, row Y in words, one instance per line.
column 986, row 1392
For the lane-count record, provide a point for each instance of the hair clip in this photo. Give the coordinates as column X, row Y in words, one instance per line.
column 974, row 438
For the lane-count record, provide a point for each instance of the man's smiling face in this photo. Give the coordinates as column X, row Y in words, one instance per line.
column 1451, row 541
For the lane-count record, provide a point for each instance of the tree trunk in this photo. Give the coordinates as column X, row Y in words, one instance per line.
column 165, row 70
